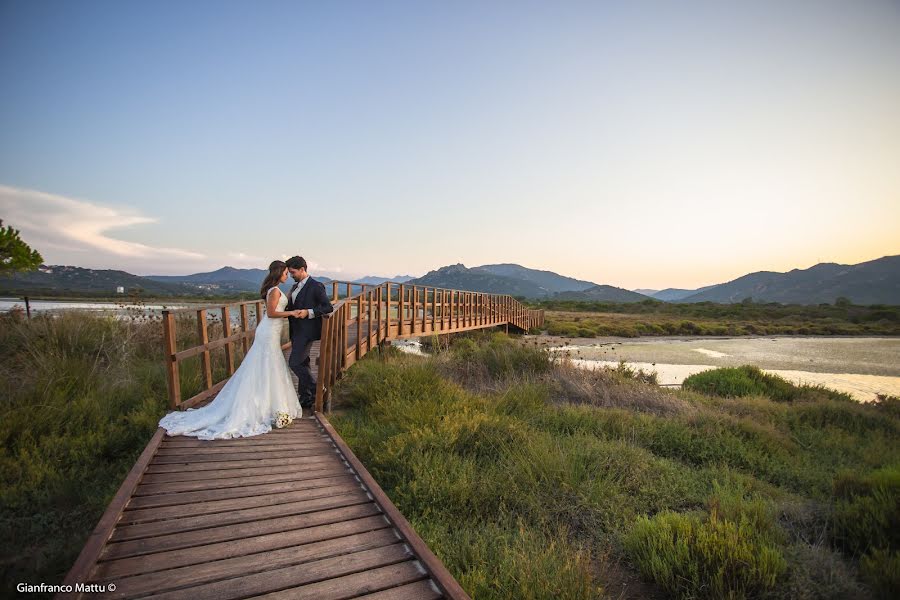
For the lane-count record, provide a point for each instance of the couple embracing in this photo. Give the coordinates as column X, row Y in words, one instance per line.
column 261, row 388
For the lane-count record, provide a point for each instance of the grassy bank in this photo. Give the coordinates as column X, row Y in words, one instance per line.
column 537, row 480
column 649, row 318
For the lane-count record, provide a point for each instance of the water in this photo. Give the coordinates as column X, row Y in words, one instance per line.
column 860, row 366
column 6, row 304
column 118, row 309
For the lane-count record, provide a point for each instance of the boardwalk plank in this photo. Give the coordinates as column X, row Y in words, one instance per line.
column 369, row 561
column 351, row 586
column 327, row 498
column 262, row 440
column 224, row 568
column 191, row 458
column 207, row 545
column 260, row 465
column 261, row 450
column 326, row 470
column 143, row 515
column 421, row 590
column 139, row 501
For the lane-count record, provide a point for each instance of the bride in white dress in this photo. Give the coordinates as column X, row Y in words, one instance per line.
column 261, row 387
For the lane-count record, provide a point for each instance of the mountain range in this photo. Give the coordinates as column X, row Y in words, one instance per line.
column 873, row 282
column 521, row 281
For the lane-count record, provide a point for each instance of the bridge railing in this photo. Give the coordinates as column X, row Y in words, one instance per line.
column 389, row 311
column 364, row 317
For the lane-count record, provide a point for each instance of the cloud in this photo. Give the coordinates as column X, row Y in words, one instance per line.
column 58, row 226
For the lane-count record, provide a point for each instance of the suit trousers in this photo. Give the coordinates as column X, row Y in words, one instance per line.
column 299, row 362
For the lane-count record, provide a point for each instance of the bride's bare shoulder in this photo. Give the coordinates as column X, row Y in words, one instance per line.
column 269, row 293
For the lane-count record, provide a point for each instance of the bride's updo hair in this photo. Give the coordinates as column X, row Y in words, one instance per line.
column 273, row 278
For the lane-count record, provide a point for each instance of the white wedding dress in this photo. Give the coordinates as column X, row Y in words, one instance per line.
column 249, row 402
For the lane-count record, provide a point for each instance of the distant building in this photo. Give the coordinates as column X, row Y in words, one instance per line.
column 120, row 290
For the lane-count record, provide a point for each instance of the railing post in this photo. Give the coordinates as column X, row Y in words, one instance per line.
column 401, row 309
column 433, row 310
column 323, row 370
column 258, row 312
column 414, row 301
column 378, row 315
column 245, row 327
column 168, row 320
column 203, row 333
column 359, row 327
column 229, row 350
column 387, row 313
column 369, row 298
column 334, row 291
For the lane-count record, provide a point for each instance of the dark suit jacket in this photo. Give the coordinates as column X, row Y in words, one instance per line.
column 312, row 296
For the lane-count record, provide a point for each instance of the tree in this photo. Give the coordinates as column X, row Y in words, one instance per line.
column 16, row 255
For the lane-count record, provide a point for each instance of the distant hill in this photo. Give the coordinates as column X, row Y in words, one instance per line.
column 227, row 280
column 873, row 282
column 646, row 292
column 603, row 293
column 548, row 280
column 676, row 294
column 462, row 278
column 375, row 280
column 58, row 280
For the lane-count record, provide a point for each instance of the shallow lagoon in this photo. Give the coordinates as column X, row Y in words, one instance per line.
column 861, row 366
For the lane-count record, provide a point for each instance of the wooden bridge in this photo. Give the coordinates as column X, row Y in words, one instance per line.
column 289, row 514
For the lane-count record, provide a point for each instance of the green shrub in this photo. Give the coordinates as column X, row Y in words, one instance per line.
column 867, row 511
column 881, row 569
column 731, row 382
column 501, row 356
column 715, row 557
column 818, row 572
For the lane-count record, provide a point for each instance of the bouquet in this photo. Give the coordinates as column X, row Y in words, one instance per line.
column 282, row 419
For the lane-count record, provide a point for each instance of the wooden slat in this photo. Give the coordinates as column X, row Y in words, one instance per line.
column 189, row 458
column 173, row 498
column 145, row 488
column 247, row 538
column 368, row 581
column 255, row 441
column 420, row 590
column 246, row 564
column 308, row 527
column 368, row 563
column 258, row 450
column 140, row 515
column 259, row 464
column 320, row 499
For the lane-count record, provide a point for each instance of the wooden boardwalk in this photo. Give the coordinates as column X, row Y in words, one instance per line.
column 288, row 514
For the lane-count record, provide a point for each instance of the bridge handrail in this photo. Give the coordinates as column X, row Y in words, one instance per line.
column 400, row 310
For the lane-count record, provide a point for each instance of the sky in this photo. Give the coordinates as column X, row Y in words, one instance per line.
column 637, row 144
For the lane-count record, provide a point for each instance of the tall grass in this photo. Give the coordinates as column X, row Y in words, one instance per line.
column 487, row 451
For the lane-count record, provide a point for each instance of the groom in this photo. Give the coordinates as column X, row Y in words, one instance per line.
column 308, row 296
